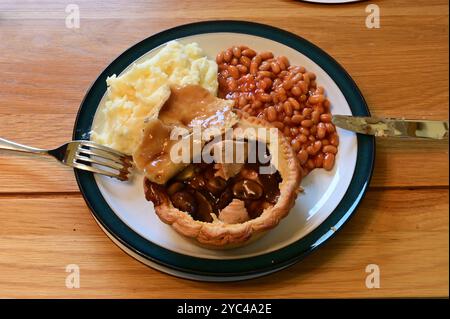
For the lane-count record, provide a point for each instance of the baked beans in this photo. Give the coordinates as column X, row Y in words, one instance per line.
column 287, row 96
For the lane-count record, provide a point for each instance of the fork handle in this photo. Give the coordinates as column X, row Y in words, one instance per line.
column 16, row 147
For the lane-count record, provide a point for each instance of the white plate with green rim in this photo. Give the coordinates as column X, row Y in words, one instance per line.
column 330, row 198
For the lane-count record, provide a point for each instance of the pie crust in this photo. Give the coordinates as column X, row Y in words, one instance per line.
column 220, row 235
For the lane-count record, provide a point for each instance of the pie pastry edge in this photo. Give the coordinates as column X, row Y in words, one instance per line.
column 219, row 235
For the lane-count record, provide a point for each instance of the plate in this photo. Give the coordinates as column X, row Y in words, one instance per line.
column 330, row 198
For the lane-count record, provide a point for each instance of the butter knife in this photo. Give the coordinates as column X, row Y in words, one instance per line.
column 391, row 127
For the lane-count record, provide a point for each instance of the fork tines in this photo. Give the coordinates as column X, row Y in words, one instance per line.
column 102, row 160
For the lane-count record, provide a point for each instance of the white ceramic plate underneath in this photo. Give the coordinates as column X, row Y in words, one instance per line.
column 127, row 217
column 323, row 190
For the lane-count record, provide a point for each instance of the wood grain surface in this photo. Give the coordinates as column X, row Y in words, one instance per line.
column 402, row 224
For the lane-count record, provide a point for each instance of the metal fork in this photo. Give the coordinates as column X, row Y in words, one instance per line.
column 84, row 155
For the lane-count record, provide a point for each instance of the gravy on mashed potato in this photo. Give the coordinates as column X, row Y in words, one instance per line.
column 141, row 91
column 188, row 106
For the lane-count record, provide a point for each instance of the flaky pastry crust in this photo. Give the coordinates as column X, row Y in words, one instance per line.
column 219, row 235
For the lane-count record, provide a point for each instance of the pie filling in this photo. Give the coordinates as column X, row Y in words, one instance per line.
column 200, row 191
column 230, row 192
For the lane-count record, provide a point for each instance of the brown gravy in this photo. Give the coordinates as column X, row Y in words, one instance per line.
column 153, row 153
column 187, row 107
column 193, row 105
column 199, row 192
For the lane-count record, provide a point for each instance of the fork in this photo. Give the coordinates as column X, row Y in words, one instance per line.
column 83, row 155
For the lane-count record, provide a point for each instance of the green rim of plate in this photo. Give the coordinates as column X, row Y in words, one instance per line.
column 243, row 266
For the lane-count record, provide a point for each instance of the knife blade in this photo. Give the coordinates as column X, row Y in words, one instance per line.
column 391, row 127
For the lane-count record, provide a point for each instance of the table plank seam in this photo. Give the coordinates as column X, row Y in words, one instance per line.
column 36, row 194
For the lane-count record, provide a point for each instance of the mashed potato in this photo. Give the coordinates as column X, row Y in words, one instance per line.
column 140, row 92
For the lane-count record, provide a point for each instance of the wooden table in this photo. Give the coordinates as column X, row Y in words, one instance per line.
column 46, row 68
